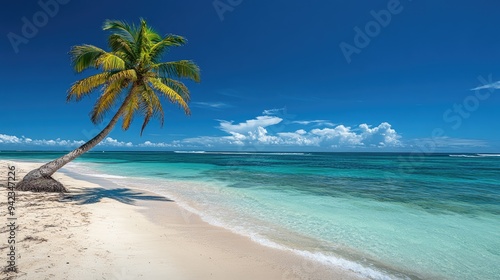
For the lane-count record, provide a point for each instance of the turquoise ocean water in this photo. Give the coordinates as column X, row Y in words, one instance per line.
column 384, row 216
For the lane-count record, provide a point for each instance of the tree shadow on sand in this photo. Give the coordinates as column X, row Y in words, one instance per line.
column 123, row 195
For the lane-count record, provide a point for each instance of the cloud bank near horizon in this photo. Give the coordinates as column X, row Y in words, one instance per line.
column 268, row 131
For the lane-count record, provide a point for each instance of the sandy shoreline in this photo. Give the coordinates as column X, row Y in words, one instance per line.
column 100, row 232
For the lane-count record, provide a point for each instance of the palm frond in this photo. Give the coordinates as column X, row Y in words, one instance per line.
column 110, row 61
column 169, row 41
column 118, row 43
column 133, row 64
column 129, row 74
column 85, row 86
column 107, row 99
column 178, row 69
column 131, row 108
column 151, row 107
column 142, row 42
column 121, row 29
column 152, row 35
column 85, row 56
column 169, row 93
column 179, row 87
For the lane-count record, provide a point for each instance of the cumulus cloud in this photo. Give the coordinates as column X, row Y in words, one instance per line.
column 249, row 125
column 382, row 135
column 58, row 142
column 298, row 137
column 10, row 139
column 261, row 131
column 114, row 143
column 338, row 136
column 149, row 144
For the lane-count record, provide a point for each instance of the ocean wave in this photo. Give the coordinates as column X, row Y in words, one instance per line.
column 475, row 155
column 319, row 257
column 189, row 152
column 243, row 153
column 466, row 156
column 105, row 176
column 322, row 258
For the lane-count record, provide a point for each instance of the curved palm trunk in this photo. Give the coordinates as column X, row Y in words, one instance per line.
column 40, row 180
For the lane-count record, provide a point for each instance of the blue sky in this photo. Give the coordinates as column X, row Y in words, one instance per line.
column 276, row 75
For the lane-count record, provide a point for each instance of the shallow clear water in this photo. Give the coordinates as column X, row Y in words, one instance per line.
column 381, row 215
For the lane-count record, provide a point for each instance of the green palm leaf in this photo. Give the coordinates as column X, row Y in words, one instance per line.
column 178, row 69
column 130, row 109
column 133, row 64
column 179, row 87
column 151, row 106
column 169, row 93
column 120, row 45
column 163, row 45
column 121, row 29
column 107, row 99
column 85, row 56
column 108, row 61
column 85, row 86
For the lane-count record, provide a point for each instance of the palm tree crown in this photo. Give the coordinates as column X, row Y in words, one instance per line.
column 131, row 75
column 133, row 64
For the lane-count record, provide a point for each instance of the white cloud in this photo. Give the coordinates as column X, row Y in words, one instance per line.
column 213, row 141
column 494, row 85
column 315, row 122
column 149, row 144
column 274, row 112
column 114, row 143
column 269, row 131
column 58, row 142
column 249, row 125
column 340, row 135
column 301, row 132
column 382, row 135
column 212, row 105
column 10, row 139
column 259, row 131
column 298, row 138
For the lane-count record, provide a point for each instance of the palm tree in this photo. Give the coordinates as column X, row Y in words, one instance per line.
column 131, row 73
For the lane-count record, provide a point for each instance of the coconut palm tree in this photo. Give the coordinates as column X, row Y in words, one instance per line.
column 132, row 77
